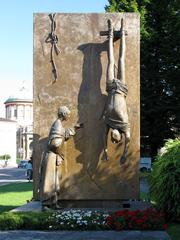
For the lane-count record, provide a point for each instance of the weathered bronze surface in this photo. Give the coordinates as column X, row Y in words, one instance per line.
column 81, row 86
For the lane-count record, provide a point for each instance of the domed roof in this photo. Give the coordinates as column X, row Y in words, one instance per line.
column 15, row 99
column 23, row 95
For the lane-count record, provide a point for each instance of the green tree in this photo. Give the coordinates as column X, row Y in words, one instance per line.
column 160, row 86
column 5, row 157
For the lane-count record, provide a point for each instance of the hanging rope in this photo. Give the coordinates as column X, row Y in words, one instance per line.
column 53, row 39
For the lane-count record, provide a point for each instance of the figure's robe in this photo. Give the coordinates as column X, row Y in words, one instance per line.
column 116, row 115
column 50, row 174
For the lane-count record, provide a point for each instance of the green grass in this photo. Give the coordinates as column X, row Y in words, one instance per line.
column 14, row 195
column 174, row 231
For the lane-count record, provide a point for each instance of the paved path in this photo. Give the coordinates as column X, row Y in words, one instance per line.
column 84, row 235
column 11, row 175
column 144, row 186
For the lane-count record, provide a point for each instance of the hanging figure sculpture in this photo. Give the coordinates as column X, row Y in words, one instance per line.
column 115, row 113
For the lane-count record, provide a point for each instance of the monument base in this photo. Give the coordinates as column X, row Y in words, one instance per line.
column 105, row 204
column 36, row 206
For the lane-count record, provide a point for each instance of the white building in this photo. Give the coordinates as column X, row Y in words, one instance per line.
column 21, row 110
column 8, row 139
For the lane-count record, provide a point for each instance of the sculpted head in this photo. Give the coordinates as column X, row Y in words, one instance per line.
column 115, row 136
column 64, row 113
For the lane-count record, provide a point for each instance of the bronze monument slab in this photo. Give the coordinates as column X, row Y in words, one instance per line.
column 80, row 84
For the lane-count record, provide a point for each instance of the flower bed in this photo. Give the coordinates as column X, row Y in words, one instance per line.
column 148, row 219
column 79, row 220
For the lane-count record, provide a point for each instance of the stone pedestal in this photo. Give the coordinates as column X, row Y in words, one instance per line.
column 82, row 68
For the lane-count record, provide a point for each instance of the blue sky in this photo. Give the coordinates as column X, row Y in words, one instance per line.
column 16, row 41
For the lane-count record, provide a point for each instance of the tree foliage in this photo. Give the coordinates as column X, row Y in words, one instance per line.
column 165, row 179
column 160, row 84
column 5, row 157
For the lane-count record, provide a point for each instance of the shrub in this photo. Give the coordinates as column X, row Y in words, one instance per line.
column 165, row 180
column 36, row 221
column 29, row 220
column 10, row 221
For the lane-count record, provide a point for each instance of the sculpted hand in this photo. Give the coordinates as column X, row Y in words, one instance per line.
column 59, row 161
column 79, row 125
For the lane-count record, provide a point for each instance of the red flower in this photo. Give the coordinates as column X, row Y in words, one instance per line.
column 139, row 221
column 165, row 226
column 109, row 223
column 133, row 213
column 134, row 218
column 144, row 218
column 109, row 220
column 125, row 212
column 147, row 219
column 118, row 214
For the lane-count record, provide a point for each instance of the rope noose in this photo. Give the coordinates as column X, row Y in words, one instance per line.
column 53, row 39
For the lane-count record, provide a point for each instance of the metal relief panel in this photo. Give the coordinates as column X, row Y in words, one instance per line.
column 81, row 85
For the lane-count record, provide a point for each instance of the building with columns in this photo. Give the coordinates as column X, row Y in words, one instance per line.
column 20, row 109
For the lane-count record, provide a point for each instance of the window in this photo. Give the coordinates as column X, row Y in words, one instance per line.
column 15, row 112
column 9, row 112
